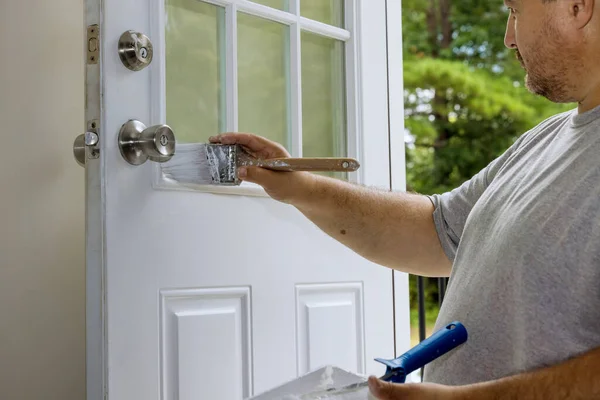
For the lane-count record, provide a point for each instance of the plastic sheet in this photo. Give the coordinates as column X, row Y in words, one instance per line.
column 313, row 386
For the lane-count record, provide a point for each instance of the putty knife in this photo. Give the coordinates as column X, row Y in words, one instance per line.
column 438, row 344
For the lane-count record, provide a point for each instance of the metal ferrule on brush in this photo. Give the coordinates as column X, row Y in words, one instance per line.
column 222, row 161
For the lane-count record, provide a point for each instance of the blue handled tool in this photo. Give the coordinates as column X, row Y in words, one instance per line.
column 438, row 344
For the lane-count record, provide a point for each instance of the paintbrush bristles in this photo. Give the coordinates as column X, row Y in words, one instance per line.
column 199, row 163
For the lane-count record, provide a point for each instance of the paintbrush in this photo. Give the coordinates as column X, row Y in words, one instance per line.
column 218, row 164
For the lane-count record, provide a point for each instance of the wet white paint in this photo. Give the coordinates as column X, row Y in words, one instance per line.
column 314, row 386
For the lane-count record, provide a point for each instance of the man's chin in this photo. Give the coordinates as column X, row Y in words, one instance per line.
column 533, row 88
column 540, row 90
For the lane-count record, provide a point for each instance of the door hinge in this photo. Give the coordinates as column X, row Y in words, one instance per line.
column 93, row 44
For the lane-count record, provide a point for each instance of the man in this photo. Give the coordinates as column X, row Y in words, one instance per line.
column 520, row 240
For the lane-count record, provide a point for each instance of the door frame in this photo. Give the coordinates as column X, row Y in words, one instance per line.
column 95, row 257
column 397, row 155
column 96, row 346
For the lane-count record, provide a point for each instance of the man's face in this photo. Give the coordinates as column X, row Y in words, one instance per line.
column 542, row 46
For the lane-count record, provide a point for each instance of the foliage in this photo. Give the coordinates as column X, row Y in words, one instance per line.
column 465, row 100
column 460, row 119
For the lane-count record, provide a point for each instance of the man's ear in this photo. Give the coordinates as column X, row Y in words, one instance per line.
column 580, row 12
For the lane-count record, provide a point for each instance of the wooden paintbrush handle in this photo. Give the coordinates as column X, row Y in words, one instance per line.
column 323, row 164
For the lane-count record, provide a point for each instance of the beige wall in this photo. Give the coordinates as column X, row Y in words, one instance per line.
column 42, row 277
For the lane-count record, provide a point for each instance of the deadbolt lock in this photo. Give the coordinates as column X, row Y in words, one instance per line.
column 135, row 50
column 86, row 145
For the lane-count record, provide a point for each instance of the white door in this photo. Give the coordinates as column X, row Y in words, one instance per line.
column 223, row 293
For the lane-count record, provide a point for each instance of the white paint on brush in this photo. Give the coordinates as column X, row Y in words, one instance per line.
column 190, row 165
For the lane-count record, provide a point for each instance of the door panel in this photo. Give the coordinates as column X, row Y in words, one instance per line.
column 200, row 325
column 338, row 310
column 208, row 292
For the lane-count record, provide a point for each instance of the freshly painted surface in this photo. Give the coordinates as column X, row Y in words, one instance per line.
column 208, row 287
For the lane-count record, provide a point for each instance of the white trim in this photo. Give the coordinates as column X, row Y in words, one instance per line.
column 95, row 259
column 397, row 159
column 284, row 17
column 353, row 89
column 322, row 29
column 258, row 10
column 396, row 97
column 158, row 73
column 231, row 80
column 245, row 189
column 372, row 97
column 296, row 82
column 158, row 105
column 222, row 76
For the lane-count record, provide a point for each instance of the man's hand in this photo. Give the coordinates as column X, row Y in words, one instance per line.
column 281, row 186
column 574, row 379
column 410, row 391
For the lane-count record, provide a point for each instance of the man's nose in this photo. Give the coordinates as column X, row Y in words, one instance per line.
column 509, row 37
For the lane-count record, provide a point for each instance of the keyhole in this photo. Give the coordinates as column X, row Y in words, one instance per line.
column 164, row 140
column 143, row 52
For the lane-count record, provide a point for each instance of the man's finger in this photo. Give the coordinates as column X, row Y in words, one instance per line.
column 257, row 175
column 385, row 390
column 256, row 144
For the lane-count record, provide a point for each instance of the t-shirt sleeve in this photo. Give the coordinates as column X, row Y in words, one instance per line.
column 451, row 209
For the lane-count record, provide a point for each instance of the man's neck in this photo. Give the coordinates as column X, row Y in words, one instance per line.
column 590, row 101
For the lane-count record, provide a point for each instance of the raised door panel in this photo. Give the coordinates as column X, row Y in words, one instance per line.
column 330, row 326
column 206, row 339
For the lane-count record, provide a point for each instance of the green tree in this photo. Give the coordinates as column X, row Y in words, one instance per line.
column 465, row 100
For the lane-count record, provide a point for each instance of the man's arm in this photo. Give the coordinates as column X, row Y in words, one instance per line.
column 574, row 379
column 391, row 229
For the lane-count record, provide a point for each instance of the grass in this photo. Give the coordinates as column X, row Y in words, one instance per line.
column 430, row 318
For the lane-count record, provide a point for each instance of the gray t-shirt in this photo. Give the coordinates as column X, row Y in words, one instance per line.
column 524, row 238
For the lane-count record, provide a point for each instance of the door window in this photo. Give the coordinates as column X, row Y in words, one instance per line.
column 276, row 68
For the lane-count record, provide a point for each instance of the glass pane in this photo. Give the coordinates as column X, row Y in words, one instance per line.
column 278, row 4
column 323, row 98
column 330, row 12
column 195, row 69
column 263, row 78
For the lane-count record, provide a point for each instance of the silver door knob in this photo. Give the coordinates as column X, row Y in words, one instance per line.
column 139, row 143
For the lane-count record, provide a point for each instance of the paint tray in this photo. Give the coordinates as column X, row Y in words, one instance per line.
column 315, row 382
